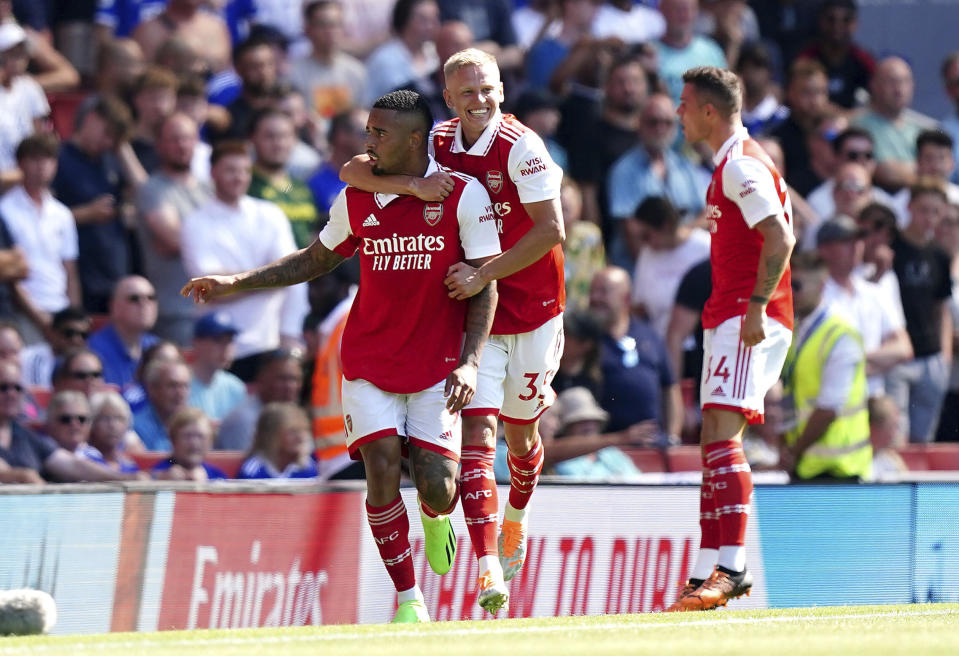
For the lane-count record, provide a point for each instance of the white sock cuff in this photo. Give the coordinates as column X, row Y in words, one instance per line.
column 514, row 514
column 733, row 557
column 705, row 563
column 409, row 595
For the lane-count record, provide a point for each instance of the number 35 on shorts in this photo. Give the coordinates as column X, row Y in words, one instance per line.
column 532, row 391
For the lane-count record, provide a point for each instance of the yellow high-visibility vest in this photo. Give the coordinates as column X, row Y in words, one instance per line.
column 844, row 449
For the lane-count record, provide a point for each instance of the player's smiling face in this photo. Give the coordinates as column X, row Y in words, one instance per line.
column 474, row 93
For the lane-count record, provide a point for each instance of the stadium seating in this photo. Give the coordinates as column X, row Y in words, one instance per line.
column 228, row 461
column 931, row 457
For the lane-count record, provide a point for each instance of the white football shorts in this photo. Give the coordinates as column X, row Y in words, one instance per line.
column 422, row 419
column 515, row 373
column 737, row 377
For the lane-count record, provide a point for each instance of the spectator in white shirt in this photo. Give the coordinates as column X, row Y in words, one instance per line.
column 877, row 317
column 44, row 228
column 23, row 103
column 669, row 249
column 411, row 54
column 852, row 146
column 234, row 232
column 70, row 329
column 935, row 160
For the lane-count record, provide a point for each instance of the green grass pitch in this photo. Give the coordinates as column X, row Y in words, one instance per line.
column 914, row 630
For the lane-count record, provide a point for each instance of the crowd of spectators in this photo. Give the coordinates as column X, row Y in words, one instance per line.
column 143, row 142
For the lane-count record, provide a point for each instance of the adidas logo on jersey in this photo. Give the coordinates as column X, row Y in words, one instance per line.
column 370, row 221
column 718, row 391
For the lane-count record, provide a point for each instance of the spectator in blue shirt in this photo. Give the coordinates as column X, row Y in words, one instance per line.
column 213, row 389
column 652, row 168
column 168, row 387
column 346, row 136
column 191, row 433
column 638, row 382
column 121, row 342
column 282, row 446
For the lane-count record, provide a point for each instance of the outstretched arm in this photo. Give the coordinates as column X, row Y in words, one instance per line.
column 461, row 383
column 464, row 280
column 301, row 266
column 358, row 172
column 778, row 242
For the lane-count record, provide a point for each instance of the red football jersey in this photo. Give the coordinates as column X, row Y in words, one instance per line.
column 512, row 161
column 404, row 333
column 745, row 189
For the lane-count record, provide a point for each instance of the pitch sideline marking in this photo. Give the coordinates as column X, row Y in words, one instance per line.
column 238, row 641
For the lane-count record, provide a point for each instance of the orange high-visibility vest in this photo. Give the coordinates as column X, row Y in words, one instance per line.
column 329, row 432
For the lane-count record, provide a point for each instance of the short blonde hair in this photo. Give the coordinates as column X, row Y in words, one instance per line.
column 468, row 57
column 110, row 399
column 186, row 416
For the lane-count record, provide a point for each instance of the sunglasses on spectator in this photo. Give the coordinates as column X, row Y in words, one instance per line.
column 137, row 298
column 68, row 419
column 11, row 387
column 860, row 155
column 73, row 333
column 86, row 375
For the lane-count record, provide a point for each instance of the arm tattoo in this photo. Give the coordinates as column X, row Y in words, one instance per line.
column 301, row 266
column 775, row 266
column 479, row 320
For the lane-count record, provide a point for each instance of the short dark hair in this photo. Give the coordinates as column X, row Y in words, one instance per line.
column 342, row 122
column 657, row 213
column 850, row 5
column 154, row 77
column 111, row 109
column 251, row 43
column 227, row 147
column 315, row 5
column 926, row 185
column 407, row 102
column 853, row 132
column 934, row 138
column 263, row 115
column 756, row 54
column 879, row 214
column 276, row 355
column 948, row 63
column 61, row 370
column 402, row 11
column 68, row 314
column 43, row 144
column 806, row 261
column 191, row 86
column 721, row 87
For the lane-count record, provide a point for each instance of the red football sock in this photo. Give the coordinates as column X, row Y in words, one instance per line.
column 478, row 495
column 391, row 530
column 732, row 488
column 708, row 520
column 523, row 474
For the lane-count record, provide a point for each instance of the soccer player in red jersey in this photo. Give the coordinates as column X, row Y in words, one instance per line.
column 747, row 323
column 527, row 339
column 407, row 369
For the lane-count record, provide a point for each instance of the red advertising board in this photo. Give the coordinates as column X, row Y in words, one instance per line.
column 249, row 560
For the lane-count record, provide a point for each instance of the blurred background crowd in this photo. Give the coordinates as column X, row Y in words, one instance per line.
column 146, row 141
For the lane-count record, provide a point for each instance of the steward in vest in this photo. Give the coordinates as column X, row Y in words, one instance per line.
column 825, row 385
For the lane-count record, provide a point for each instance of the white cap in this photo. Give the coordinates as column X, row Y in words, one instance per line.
column 11, row 34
